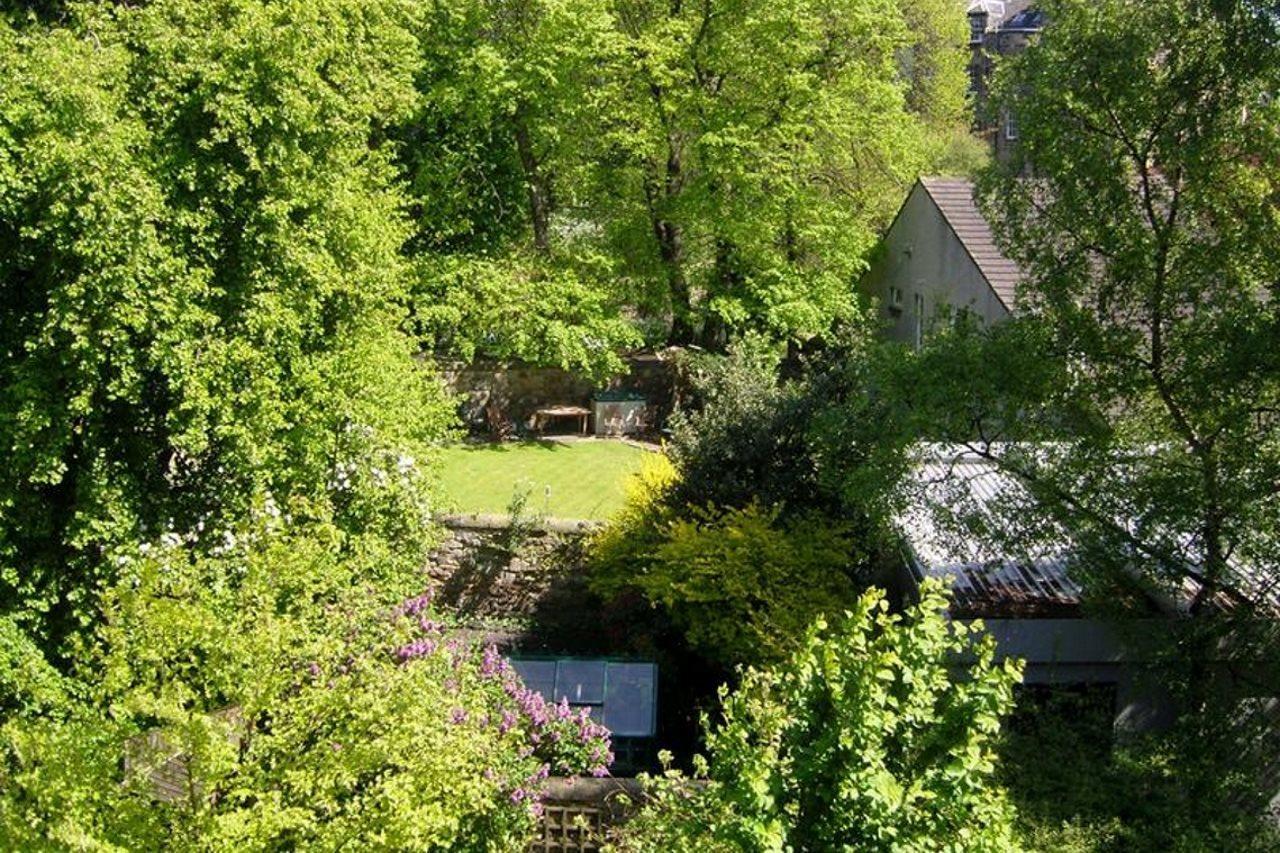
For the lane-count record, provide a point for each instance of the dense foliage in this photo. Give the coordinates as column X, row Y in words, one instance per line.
column 742, row 584
column 525, row 309
column 287, row 700
column 1147, row 229
column 773, row 507
column 1136, row 392
column 811, row 433
column 864, row 739
column 217, row 493
column 201, row 267
column 731, row 161
column 1077, row 788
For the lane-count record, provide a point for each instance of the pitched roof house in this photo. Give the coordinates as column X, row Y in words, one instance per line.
column 938, row 259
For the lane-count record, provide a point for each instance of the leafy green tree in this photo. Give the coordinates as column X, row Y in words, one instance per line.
column 507, row 101
column 523, row 307
column 289, row 700
column 751, row 150
column 1147, row 228
column 1137, row 394
column 864, row 739
column 200, row 267
column 506, row 266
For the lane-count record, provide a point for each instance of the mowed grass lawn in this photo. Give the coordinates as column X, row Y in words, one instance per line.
column 577, row 479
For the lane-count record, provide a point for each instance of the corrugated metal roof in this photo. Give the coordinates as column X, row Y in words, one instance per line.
column 958, row 495
column 959, row 502
column 954, row 199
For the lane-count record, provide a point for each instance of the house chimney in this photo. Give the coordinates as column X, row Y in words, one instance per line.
column 978, row 17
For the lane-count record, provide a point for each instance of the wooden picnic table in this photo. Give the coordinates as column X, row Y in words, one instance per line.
column 541, row 416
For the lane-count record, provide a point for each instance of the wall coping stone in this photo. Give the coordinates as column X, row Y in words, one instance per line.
column 502, row 521
column 587, row 789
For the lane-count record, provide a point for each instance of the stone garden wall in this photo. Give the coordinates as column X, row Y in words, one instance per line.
column 516, row 390
column 489, row 568
column 519, row 584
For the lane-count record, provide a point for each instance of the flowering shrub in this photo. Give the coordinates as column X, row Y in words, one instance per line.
column 305, row 707
column 564, row 740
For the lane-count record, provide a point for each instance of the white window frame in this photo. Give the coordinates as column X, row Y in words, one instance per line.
column 1010, row 126
column 977, row 26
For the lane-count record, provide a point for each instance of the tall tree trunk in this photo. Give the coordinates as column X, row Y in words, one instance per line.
column 671, row 249
column 659, row 191
column 728, row 281
column 536, row 182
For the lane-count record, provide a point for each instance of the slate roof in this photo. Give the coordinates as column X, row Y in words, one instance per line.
column 954, row 199
column 1025, row 19
column 1006, row 13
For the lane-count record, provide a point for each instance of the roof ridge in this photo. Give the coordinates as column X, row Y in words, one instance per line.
column 971, row 227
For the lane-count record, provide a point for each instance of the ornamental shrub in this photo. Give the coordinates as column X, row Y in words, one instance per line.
column 741, row 584
column 305, row 705
column 870, row 737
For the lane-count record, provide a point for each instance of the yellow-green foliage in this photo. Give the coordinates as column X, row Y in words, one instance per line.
column 743, row 584
column 316, row 710
column 635, row 529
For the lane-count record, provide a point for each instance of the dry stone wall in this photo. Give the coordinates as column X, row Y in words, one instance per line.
column 520, row 584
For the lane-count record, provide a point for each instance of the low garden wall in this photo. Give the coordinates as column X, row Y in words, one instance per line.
column 523, row 587
column 518, row 390
column 521, row 583
column 577, row 812
column 488, row 567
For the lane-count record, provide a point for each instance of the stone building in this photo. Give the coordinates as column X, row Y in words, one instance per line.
column 997, row 29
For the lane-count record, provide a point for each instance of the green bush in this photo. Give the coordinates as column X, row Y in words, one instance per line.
column 865, row 739
column 311, row 708
column 744, row 584
column 1078, row 788
column 741, row 584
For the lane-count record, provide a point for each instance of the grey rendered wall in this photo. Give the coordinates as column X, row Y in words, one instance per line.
column 922, row 255
column 1089, row 651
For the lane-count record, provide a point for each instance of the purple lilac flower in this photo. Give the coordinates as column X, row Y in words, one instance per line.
column 491, row 663
column 416, row 649
column 415, row 605
column 508, row 722
column 458, row 716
